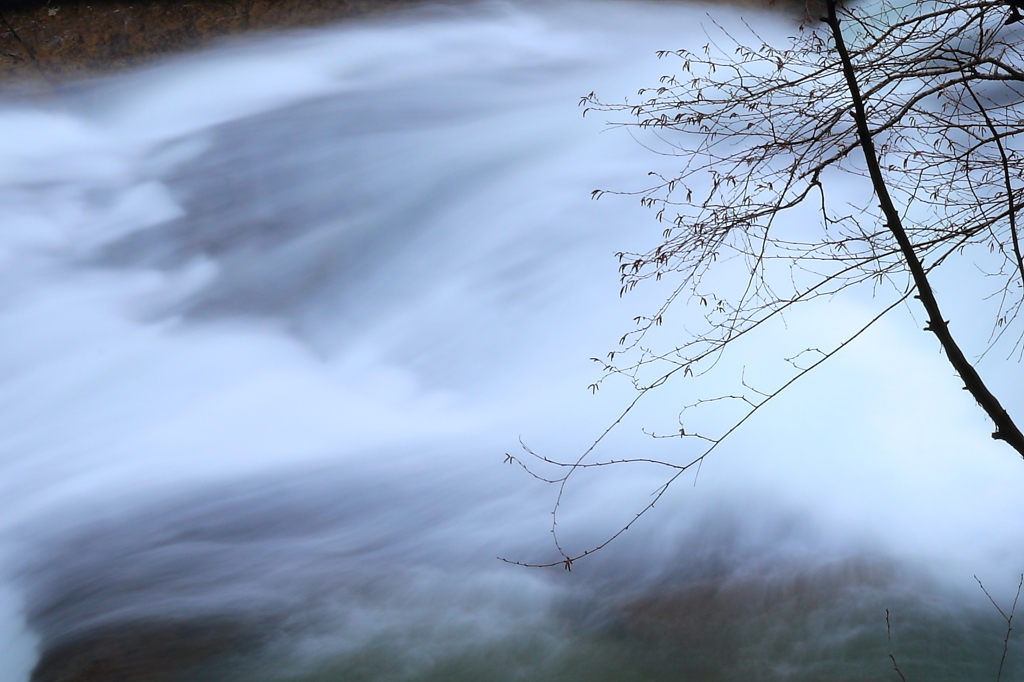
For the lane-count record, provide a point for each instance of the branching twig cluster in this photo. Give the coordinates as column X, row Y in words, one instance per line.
column 1007, row 617
column 879, row 143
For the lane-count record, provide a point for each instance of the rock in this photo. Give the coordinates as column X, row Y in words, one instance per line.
column 149, row 651
column 74, row 38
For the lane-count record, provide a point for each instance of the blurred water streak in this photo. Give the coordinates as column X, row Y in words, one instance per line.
column 273, row 313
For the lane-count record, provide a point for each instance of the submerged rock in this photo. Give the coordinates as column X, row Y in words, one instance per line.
column 148, row 652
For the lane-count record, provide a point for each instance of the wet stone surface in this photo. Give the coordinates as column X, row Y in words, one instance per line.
column 149, row 652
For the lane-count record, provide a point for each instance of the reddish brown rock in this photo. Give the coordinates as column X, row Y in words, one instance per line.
column 69, row 38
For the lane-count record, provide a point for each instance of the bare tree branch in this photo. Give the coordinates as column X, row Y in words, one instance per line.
column 760, row 217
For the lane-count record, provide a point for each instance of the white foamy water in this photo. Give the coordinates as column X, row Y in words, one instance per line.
column 272, row 314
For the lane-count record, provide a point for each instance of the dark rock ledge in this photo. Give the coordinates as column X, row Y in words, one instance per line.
column 59, row 39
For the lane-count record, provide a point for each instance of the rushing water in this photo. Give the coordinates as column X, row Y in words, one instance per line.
column 271, row 315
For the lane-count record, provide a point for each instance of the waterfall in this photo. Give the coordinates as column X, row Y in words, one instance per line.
column 272, row 314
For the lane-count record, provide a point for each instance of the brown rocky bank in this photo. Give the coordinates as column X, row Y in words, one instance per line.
column 72, row 38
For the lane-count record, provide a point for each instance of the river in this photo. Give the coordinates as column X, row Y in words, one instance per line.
column 273, row 313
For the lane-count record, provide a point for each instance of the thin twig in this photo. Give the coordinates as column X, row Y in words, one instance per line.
column 1007, row 618
column 892, row 657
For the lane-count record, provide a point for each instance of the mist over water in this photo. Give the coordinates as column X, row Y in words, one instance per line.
column 272, row 314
